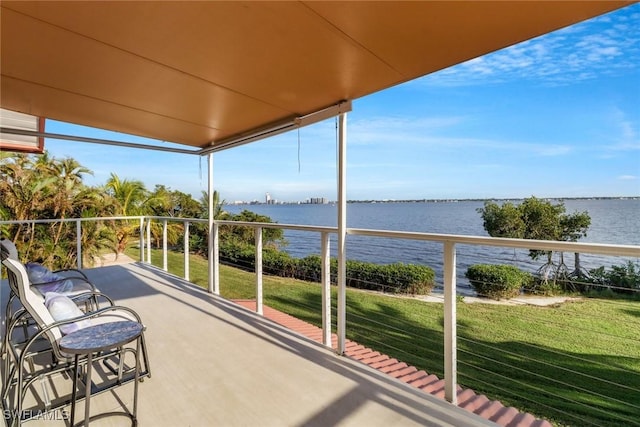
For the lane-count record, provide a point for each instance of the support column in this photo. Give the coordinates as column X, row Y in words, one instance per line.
column 450, row 339
column 326, row 288
column 216, row 259
column 210, row 258
column 342, row 231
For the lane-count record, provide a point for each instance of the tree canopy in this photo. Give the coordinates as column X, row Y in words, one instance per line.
column 46, row 187
column 534, row 219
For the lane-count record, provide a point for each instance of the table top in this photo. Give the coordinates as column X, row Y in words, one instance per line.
column 100, row 337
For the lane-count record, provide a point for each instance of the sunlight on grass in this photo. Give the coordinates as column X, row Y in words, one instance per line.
column 538, row 359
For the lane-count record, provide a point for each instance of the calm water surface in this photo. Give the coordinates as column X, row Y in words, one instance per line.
column 612, row 221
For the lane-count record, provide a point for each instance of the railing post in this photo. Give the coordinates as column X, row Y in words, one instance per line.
column 450, row 337
column 216, row 259
column 165, row 266
column 326, row 289
column 258, row 266
column 141, row 239
column 212, row 268
column 186, row 250
column 79, row 243
column 149, row 240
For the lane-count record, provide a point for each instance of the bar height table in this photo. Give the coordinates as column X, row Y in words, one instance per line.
column 93, row 339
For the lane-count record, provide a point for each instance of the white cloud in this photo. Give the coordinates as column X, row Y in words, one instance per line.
column 627, row 177
column 392, row 129
column 580, row 52
column 553, row 150
column 424, row 132
column 488, row 166
column 625, row 137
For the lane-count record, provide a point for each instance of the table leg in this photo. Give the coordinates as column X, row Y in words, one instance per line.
column 137, row 380
column 87, row 392
column 74, row 393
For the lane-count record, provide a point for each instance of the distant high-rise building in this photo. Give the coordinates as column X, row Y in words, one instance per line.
column 318, row 201
column 267, row 198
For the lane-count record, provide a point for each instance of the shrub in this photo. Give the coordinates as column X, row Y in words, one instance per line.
column 364, row 275
column 241, row 256
column 395, row 278
column 419, row 279
column 623, row 278
column 309, row 268
column 497, row 281
column 539, row 286
column 278, row 263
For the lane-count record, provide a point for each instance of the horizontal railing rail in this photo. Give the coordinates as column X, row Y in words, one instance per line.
column 311, row 228
column 543, row 245
column 49, row 221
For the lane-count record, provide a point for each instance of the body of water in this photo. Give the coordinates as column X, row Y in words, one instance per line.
column 612, row 221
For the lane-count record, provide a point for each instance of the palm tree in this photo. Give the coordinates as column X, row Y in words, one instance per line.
column 69, row 194
column 164, row 202
column 130, row 197
column 45, row 187
column 23, row 195
column 218, row 211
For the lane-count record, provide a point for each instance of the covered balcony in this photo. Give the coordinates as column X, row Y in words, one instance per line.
column 212, row 76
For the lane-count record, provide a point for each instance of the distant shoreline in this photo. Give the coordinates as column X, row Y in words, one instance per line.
column 494, row 199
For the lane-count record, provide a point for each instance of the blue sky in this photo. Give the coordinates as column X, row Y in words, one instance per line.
column 556, row 116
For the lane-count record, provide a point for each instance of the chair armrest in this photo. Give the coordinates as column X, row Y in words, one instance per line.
column 106, row 310
column 67, row 286
column 63, row 279
column 78, row 273
column 96, row 295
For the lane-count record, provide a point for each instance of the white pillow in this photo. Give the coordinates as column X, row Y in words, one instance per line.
column 62, row 307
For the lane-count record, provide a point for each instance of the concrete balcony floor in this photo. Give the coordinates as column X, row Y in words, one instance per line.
column 215, row 363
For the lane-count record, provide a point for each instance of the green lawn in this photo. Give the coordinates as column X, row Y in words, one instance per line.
column 575, row 364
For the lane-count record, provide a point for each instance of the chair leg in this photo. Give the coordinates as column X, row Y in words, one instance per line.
column 121, row 363
column 145, row 356
column 45, row 393
column 7, row 322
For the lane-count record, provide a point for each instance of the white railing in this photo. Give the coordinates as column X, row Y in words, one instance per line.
column 78, row 222
column 145, row 242
column 449, row 250
column 324, row 232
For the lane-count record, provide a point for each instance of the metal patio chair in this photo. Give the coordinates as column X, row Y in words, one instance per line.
column 38, row 357
column 79, row 282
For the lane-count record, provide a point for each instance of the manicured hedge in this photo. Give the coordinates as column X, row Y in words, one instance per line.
column 497, row 281
column 392, row 278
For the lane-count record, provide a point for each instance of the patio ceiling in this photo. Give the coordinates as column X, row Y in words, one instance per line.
column 207, row 74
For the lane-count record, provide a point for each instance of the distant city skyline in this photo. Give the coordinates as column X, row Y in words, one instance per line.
column 556, row 116
column 325, row 201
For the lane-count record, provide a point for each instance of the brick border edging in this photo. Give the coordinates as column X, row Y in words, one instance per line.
column 491, row 410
